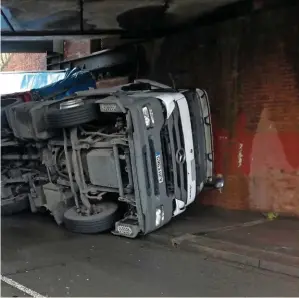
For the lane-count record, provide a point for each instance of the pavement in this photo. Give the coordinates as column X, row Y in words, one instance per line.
column 40, row 258
column 243, row 237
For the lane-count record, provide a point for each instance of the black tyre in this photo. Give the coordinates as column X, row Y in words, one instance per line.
column 63, row 118
column 15, row 205
column 92, row 224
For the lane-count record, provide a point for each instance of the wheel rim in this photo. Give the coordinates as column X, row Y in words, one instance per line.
column 71, row 103
column 106, row 207
column 96, row 209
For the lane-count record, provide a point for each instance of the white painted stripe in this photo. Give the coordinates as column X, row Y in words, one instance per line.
column 21, row 287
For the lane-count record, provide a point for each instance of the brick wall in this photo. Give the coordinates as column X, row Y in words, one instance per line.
column 250, row 68
column 112, row 82
column 76, row 49
column 26, row 62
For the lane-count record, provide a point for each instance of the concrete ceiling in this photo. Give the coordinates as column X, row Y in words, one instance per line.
column 100, row 15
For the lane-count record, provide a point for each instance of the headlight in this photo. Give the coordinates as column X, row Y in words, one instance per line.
column 159, row 215
column 152, row 116
column 146, row 116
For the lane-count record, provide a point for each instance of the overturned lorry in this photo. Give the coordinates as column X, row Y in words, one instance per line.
column 126, row 159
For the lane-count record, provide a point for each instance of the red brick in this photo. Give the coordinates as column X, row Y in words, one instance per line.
column 26, row 62
column 76, row 49
column 106, row 83
column 250, row 68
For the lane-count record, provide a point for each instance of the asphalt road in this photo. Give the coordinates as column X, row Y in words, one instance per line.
column 53, row 262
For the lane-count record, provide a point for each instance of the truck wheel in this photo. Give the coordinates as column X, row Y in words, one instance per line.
column 58, row 117
column 14, row 205
column 92, row 224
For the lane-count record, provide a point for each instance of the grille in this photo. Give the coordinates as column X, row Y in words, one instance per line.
column 147, row 179
column 167, row 161
column 173, row 140
column 154, row 169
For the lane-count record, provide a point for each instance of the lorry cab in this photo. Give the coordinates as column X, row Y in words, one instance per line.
column 171, row 152
column 127, row 158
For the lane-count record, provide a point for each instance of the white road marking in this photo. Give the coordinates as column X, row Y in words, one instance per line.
column 21, row 287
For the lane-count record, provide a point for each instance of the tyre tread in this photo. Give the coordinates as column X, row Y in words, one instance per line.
column 71, row 117
column 91, row 224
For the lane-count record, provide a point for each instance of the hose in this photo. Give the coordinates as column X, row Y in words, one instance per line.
column 69, row 168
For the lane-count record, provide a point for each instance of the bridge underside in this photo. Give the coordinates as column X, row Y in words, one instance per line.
column 65, row 19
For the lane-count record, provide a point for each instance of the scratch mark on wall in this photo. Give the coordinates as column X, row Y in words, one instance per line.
column 240, row 155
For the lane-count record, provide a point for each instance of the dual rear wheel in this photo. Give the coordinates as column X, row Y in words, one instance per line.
column 15, row 205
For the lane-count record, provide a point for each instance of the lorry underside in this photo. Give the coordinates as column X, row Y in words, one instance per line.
column 70, row 159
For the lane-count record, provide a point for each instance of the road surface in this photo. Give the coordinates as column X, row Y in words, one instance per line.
column 46, row 259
